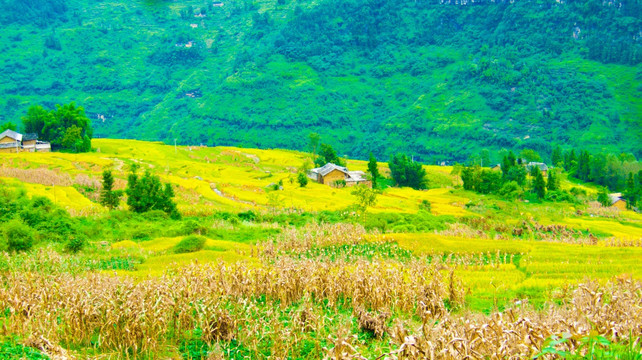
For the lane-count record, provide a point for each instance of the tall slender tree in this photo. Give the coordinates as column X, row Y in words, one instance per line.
column 108, row 196
column 539, row 185
column 373, row 170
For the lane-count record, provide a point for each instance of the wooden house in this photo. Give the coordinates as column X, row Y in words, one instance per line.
column 10, row 141
column 617, row 201
column 13, row 142
column 335, row 175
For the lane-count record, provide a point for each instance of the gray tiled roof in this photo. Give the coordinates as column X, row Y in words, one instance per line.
column 328, row 168
column 12, row 134
column 28, row 137
column 540, row 165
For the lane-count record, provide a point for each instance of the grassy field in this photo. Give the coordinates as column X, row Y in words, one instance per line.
column 294, row 273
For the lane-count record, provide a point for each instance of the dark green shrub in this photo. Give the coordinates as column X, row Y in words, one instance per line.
column 425, row 205
column 192, row 227
column 155, row 215
column 75, row 243
column 18, row 236
column 190, row 244
column 560, row 196
column 249, row 216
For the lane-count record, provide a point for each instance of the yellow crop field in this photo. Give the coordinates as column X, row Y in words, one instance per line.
column 536, row 265
column 226, row 178
column 66, row 197
column 614, row 228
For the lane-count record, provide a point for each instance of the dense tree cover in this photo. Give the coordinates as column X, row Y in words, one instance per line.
column 406, row 172
column 67, row 127
column 614, row 173
column 146, row 193
column 605, row 169
column 436, row 79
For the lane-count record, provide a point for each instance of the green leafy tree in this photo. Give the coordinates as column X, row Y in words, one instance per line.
column 469, row 178
column 109, row 197
column 327, row 154
column 406, row 172
column 314, row 139
column 373, row 169
column 67, row 127
column 18, row 236
column 556, row 157
column 530, row 155
column 603, row 197
column 553, row 182
column 631, row 194
column 8, row 126
column 508, row 162
column 302, row 179
column 366, row 197
column 72, row 138
column 147, row 193
column 35, row 120
column 485, row 158
column 539, row 185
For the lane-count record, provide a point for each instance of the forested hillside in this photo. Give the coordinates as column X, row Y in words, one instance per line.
column 441, row 80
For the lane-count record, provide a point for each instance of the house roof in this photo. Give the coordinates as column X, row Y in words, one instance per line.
column 540, row 165
column 28, row 137
column 12, row 134
column 615, row 197
column 356, row 176
column 328, row 168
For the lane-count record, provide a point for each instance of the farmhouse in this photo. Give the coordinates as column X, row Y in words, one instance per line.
column 617, row 201
column 13, row 142
column 540, row 165
column 335, row 175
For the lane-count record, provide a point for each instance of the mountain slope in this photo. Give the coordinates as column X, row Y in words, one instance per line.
column 436, row 79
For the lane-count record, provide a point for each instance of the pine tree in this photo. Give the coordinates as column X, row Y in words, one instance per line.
column 553, row 182
column 631, row 193
column 556, row 157
column 108, row 197
column 539, row 185
column 373, row 170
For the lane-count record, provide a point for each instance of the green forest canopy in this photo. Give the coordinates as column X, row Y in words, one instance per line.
column 437, row 80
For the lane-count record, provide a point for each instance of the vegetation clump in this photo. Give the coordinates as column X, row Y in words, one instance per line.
column 191, row 243
column 67, row 127
column 147, row 193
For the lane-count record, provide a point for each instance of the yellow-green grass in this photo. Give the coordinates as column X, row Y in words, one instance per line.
column 241, row 176
column 607, row 226
column 161, row 258
column 66, row 197
column 541, row 267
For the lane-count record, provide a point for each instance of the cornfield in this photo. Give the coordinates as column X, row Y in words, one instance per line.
column 145, row 318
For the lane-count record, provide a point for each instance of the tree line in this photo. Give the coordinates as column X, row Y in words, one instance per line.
column 66, row 127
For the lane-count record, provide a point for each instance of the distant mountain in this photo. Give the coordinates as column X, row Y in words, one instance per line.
column 441, row 80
